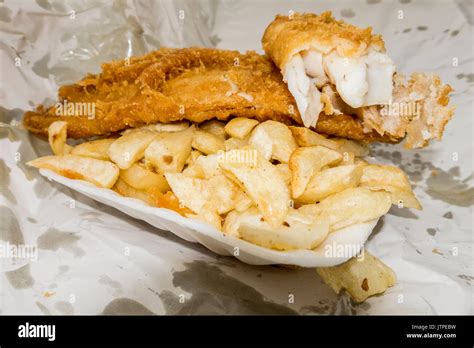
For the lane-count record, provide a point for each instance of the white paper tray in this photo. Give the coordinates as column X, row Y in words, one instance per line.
column 199, row 232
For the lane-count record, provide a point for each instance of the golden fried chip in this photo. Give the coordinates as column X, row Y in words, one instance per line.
column 191, row 192
column 130, row 147
column 285, row 172
column 346, row 145
column 392, row 180
column 204, row 167
column 210, row 217
column 124, row 189
column 306, row 137
column 242, row 201
column 223, row 193
column 296, row 231
column 100, row 173
column 352, row 206
column 273, row 140
column 361, row 277
column 98, row 149
column 161, row 127
column 234, row 143
column 168, row 152
column 305, row 162
column 57, row 134
column 195, row 154
column 214, row 127
column 330, row 181
column 262, row 182
column 207, row 143
column 240, row 127
column 139, row 177
column 216, row 195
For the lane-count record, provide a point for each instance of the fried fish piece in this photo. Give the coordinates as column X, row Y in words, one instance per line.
column 169, row 85
column 333, row 68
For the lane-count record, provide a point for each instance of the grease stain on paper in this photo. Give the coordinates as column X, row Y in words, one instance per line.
column 431, row 231
column 43, row 308
column 10, row 232
column 20, row 278
column 64, row 307
column 402, row 212
column 449, row 188
column 448, row 215
column 444, row 185
column 347, row 12
column 469, row 77
column 115, row 285
column 5, row 182
column 126, row 306
column 5, row 14
column 214, row 292
column 54, row 239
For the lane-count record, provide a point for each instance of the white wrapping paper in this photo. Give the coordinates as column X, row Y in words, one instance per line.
column 91, row 258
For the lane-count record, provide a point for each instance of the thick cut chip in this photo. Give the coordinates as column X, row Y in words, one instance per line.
column 161, row 127
column 100, row 173
column 152, row 196
column 234, row 143
column 351, row 206
column 207, row 143
column 214, row 127
column 285, row 172
column 193, row 194
column 130, row 147
column 305, row 162
column 204, row 167
column 205, row 197
column 124, row 189
column 240, row 127
column 139, row 177
column 273, row 140
column 98, row 149
column 346, row 145
column 195, row 154
column 263, row 183
column 210, row 217
column 306, row 137
column 169, row 151
column 330, row 181
column 296, row 232
column 361, row 276
column 242, row 201
column 392, row 180
column 57, row 134
column 223, row 193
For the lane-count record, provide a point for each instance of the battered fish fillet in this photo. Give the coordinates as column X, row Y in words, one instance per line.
column 333, row 68
column 169, row 85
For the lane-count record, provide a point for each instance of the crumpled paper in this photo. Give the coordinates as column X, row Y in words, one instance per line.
column 92, row 259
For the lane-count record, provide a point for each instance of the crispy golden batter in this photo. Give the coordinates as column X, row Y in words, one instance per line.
column 168, row 85
column 287, row 35
column 196, row 84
